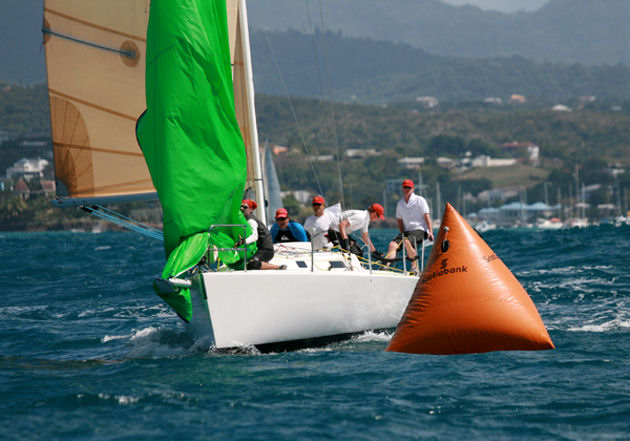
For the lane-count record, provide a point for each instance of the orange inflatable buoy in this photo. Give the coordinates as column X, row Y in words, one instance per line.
column 467, row 300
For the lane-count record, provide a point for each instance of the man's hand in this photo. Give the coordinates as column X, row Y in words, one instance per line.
column 377, row 255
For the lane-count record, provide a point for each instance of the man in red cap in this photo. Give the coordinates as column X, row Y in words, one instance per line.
column 320, row 222
column 286, row 230
column 262, row 237
column 353, row 220
column 414, row 223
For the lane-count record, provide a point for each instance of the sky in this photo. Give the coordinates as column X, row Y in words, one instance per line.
column 501, row 5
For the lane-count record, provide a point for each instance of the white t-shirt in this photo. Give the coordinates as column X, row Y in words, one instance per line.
column 359, row 220
column 412, row 213
column 321, row 225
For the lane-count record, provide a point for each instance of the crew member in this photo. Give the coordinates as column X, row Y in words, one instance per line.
column 286, row 230
column 414, row 221
column 262, row 237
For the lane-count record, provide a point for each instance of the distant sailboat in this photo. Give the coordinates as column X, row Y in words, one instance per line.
column 272, row 184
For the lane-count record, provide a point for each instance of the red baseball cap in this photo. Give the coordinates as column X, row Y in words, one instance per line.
column 378, row 209
column 251, row 204
column 319, row 200
column 282, row 212
column 408, row 183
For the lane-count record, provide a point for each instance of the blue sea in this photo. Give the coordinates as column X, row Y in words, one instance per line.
column 88, row 352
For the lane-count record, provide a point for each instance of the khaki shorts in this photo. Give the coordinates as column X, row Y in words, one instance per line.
column 419, row 236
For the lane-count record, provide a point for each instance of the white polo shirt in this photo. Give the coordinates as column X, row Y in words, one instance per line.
column 359, row 220
column 321, row 225
column 412, row 213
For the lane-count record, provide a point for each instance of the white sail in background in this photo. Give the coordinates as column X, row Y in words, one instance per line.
column 272, row 183
column 95, row 61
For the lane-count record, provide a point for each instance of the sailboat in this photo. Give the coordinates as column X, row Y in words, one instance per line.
column 200, row 152
column 272, row 184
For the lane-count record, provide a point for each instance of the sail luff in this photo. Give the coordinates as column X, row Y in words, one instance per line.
column 245, row 106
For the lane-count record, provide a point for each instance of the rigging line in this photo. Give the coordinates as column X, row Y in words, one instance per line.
column 124, row 221
column 297, row 123
column 127, row 218
column 321, row 92
column 332, row 106
column 312, row 31
column 128, row 54
column 94, row 25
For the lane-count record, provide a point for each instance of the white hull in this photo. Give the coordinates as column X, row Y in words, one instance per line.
column 240, row 308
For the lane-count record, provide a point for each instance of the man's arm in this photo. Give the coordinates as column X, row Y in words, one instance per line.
column 343, row 225
column 366, row 239
column 298, row 231
column 427, row 219
column 401, row 227
column 254, row 236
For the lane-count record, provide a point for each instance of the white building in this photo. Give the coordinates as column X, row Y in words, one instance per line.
column 5, row 136
column 322, row 158
column 360, row 153
column 302, row 196
column 410, row 162
column 493, row 100
column 428, row 102
column 561, row 108
column 487, row 161
column 27, row 168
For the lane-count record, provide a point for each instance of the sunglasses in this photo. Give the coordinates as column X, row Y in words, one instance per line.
column 407, row 187
column 281, row 218
column 243, row 207
column 316, row 204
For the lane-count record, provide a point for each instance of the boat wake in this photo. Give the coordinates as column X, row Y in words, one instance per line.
column 154, row 342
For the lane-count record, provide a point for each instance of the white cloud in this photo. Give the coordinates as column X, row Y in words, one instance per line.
column 501, row 5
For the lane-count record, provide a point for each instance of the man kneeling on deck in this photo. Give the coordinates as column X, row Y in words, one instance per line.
column 262, row 237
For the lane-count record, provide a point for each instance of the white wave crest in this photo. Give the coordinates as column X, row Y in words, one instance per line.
column 113, row 337
column 142, row 333
column 564, row 270
column 373, row 336
column 121, row 399
column 611, row 325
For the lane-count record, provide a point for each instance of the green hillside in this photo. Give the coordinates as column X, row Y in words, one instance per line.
column 570, row 31
column 384, row 72
column 594, row 141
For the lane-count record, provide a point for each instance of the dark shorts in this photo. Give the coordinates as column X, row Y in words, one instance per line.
column 419, row 235
column 255, row 262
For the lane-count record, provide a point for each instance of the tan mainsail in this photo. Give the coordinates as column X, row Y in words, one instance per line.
column 95, row 60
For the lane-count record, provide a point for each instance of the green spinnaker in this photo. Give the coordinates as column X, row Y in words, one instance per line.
column 190, row 137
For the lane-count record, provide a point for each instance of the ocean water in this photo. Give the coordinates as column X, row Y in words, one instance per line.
column 88, row 352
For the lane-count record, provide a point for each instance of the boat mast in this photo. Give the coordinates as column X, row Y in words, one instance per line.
column 243, row 28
